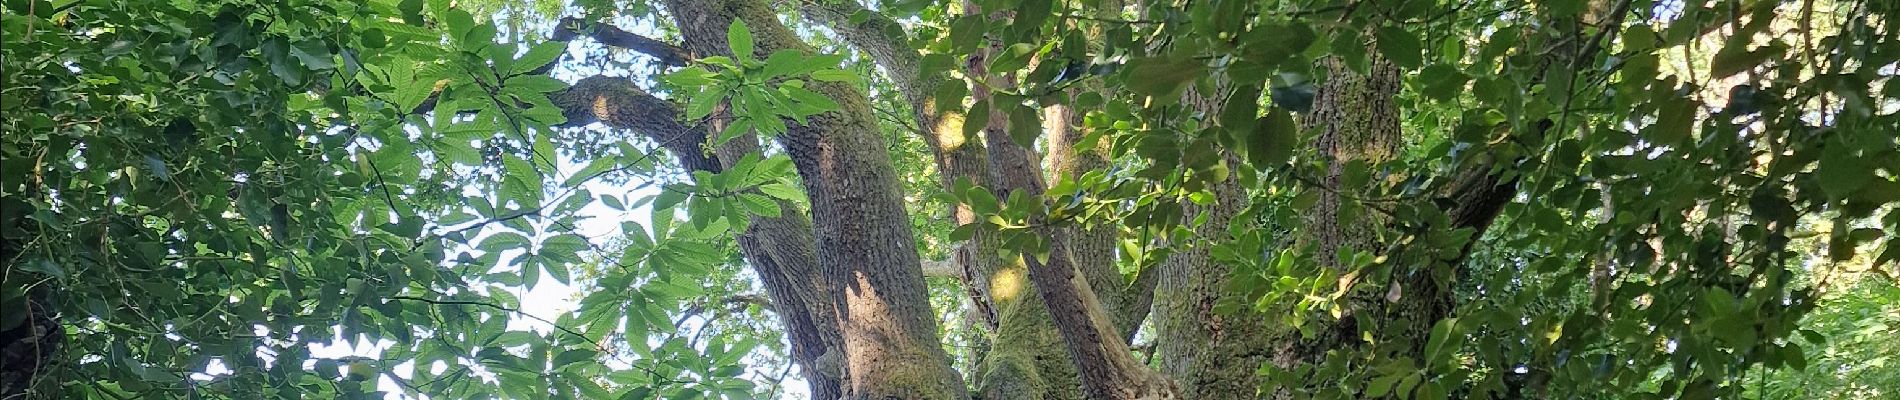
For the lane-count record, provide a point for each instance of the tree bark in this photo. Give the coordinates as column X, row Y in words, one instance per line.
column 940, row 126
column 1102, row 361
column 863, row 239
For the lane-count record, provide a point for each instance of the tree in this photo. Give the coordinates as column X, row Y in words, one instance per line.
column 940, row 200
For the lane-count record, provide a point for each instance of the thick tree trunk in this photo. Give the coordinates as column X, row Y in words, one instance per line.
column 864, row 243
column 1093, row 246
column 1213, row 351
column 1357, row 121
column 1212, row 340
column 940, row 126
column 1102, row 361
column 1033, row 361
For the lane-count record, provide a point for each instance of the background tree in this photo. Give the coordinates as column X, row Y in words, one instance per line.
column 947, row 200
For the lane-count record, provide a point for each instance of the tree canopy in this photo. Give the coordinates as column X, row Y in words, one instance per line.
column 979, row 199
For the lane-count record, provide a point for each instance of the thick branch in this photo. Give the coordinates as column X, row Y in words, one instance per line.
column 940, row 126
column 667, row 54
column 878, row 35
column 617, row 102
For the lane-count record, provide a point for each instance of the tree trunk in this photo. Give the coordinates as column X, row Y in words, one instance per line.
column 1357, row 122
column 1102, row 361
column 863, row 239
column 1213, row 350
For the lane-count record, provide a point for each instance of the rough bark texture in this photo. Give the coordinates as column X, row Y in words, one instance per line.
column 1102, row 361
column 1213, row 353
column 940, row 125
column 1031, row 364
column 1093, row 246
column 1211, row 346
column 1356, row 121
column 864, row 243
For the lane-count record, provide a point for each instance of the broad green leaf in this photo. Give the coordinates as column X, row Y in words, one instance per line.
column 1400, row 46
column 740, row 39
column 539, row 55
column 1163, row 78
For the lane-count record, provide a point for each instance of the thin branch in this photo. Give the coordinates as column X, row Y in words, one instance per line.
column 516, row 311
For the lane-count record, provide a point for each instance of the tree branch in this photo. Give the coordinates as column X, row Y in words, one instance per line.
column 666, row 53
column 618, row 103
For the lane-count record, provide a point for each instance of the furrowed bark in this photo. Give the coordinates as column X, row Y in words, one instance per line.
column 1211, row 346
column 1128, row 303
column 1357, row 120
column 1361, row 122
column 1093, row 246
column 1102, row 361
column 940, row 125
column 864, row 243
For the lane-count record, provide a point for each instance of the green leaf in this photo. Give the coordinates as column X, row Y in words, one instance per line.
column 740, row 39
column 1442, row 82
column 976, row 120
column 1841, row 172
column 703, row 103
column 599, row 165
column 818, row 102
column 1438, row 348
column 503, row 241
column 538, row 56
column 760, row 205
column 1013, row 58
column 535, row 84
column 1272, row 145
column 668, row 198
column 574, row 356
column 782, row 191
column 521, row 182
column 1382, row 385
column 1163, row 78
column 1400, row 46
column 834, row 75
column 1675, row 117
column 1025, row 125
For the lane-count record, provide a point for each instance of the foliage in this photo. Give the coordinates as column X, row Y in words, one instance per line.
column 212, row 195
